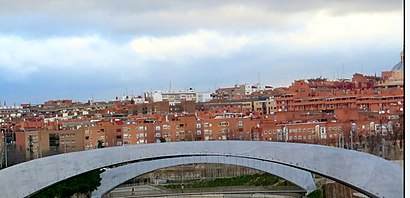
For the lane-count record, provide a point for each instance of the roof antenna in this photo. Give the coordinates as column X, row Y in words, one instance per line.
column 259, row 79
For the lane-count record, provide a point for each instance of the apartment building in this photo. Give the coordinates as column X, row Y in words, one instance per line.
column 366, row 100
column 168, row 128
column 103, row 134
column 162, row 107
column 226, row 128
column 232, row 93
column 258, row 104
column 39, row 143
column 173, row 96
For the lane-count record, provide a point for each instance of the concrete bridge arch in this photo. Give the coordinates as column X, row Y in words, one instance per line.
column 368, row 174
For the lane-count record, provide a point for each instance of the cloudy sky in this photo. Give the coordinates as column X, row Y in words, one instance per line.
column 78, row 49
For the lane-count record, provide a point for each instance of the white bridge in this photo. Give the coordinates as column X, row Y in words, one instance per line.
column 366, row 173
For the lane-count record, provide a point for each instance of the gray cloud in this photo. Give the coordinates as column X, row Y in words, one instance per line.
column 63, row 49
column 128, row 17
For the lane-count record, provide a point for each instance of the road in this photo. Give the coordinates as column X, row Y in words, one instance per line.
column 153, row 191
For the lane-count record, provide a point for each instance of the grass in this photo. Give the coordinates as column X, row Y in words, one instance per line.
column 264, row 179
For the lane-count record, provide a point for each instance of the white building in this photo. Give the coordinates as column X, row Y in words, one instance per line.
column 173, row 96
column 204, row 97
column 156, row 96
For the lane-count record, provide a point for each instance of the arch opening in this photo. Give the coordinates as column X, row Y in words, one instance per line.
column 115, row 177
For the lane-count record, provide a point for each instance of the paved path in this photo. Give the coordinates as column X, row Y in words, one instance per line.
column 152, row 191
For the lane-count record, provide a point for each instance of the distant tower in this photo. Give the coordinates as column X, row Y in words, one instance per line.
column 401, row 57
column 399, row 66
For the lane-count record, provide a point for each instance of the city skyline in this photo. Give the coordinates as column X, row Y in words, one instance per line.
column 75, row 49
column 126, row 94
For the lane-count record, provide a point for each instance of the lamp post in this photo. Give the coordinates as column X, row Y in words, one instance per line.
column 5, row 146
column 192, row 135
column 352, row 133
column 251, row 135
column 285, row 133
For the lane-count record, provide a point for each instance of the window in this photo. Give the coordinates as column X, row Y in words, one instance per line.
column 166, row 127
column 126, row 135
column 54, row 141
column 140, row 128
column 206, row 131
column 198, row 132
column 240, row 123
column 126, row 129
column 206, row 124
column 157, row 128
column 198, row 125
column 224, row 124
column 157, row 134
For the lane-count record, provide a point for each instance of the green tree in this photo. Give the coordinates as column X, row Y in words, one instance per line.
column 80, row 184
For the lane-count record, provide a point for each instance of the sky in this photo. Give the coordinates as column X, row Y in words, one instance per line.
column 100, row 49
